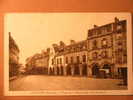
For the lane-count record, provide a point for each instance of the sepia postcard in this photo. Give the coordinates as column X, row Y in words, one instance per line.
column 68, row 54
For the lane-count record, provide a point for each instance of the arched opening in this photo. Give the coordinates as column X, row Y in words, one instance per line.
column 76, row 69
column 61, row 68
column 95, row 70
column 84, row 70
column 68, row 70
column 57, row 68
column 107, row 68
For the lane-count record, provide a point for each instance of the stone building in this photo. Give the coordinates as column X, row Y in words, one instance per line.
column 13, row 57
column 107, row 49
column 38, row 63
column 71, row 59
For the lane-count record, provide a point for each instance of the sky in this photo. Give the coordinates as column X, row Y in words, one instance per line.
column 34, row 32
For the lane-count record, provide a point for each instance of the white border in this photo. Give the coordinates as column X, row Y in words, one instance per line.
column 129, row 91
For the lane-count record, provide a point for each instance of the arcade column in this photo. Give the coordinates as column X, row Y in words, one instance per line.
column 65, row 70
column 89, row 71
column 80, row 69
column 48, row 70
column 55, row 70
column 60, row 70
column 72, row 70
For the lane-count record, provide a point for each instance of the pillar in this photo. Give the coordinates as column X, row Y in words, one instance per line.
column 72, row 70
column 48, row 70
column 65, row 70
column 60, row 70
column 55, row 70
column 89, row 71
column 80, row 69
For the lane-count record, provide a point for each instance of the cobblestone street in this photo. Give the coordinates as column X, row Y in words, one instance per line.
column 41, row 82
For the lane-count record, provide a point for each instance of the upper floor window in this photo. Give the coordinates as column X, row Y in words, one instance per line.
column 71, row 59
column 99, row 31
column 84, row 58
column 57, row 61
column 66, row 60
column 109, row 28
column 104, row 42
column 94, row 44
column 94, row 55
column 78, row 60
column 89, row 33
column 60, row 60
column 52, row 61
column 104, row 54
column 119, row 28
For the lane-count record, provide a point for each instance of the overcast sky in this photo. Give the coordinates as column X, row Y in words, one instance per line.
column 34, row 32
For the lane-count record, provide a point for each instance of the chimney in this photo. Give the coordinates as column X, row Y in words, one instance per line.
column 72, row 41
column 62, row 43
column 116, row 20
column 95, row 26
column 54, row 45
column 48, row 50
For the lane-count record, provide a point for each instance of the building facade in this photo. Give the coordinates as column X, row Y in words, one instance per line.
column 71, row 59
column 103, row 52
column 107, row 48
column 38, row 63
column 13, row 57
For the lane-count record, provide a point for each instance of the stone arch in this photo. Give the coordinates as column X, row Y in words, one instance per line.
column 58, row 70
column 95, row 69
column 108, row 67
column 84, row 69
column 61, row 70
column 68, row 68
column 76, row 69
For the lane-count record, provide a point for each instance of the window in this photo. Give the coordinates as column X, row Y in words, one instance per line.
column 94, row 44
column 89, row 33
column 71, row 59
column 66, row 60
column 57, row 61
column 94, row 55
column 60, row 60
column 84, row 58
column 119, row 28
column 103, row 30
column 104, row 54
column 104, row 42
column 78, row 60
column 52, row 61
column 99, row 31
column 109, row 27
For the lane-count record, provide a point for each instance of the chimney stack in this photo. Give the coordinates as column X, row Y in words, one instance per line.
column 95, row 26
column 116, row 20
column 72, row 41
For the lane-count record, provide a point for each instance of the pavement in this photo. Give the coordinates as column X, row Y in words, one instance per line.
column 43, row 82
